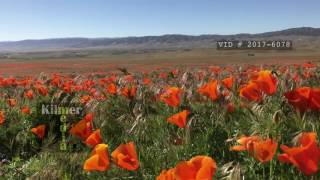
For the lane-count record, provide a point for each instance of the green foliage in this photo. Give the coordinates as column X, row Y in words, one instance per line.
column 211, row 130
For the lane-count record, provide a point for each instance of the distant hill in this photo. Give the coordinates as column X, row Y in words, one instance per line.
column 151, row 42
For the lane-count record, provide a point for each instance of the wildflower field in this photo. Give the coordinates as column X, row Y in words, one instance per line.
column 215, row 122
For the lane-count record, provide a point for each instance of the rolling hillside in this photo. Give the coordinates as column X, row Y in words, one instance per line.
column 301, row 36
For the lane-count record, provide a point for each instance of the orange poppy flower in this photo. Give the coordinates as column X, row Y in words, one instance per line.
column 179, row 119
column 167, row 174
column 147, row 81
column 246, row 143
column 94, row 138
column 308, row 65
column 215, row 69
column 93, row 91
column 12, row 102
column 296, row 77
column 85, row 99
column 171, row 96
column 42, row 90
column 304, row 98
column 29, row 94
column 163, row 75
column 99, row 160
column 125, row 156
column 200, row 75
column 25, row 110
column 112, row 89
column 133, row 91
column 175, row 72
column 88, row 117
column 129, row 78
column 39, row 131
column 251, row 92
column 88, row 84
column 2, row 117
column 315, row 99
column 225, row 93
column 77, row 88
column 8, row 82
column 262, row 150
column 125, row 91
column 102, row 82
column 305, row 157
column 230, row 107
column 55, row 81
column 265, row 81
column 67, row 86
column 25, row 82
column 129, row 92
column 112, row 79
column 307, row 74
column 82, row 129
column 228, row 82
column 299, row 98
column 198, row 168
column 209, row 90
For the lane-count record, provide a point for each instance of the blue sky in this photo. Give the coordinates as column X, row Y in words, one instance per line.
column 38, row 19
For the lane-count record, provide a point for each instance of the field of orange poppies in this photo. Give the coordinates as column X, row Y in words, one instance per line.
column 196, row 123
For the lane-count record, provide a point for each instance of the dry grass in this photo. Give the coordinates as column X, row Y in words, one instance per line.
column 27, row 64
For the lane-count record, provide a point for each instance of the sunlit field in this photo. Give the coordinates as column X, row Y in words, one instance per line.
column 185, row 123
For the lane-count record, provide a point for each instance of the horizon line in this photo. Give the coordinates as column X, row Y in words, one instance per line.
column 159, row 35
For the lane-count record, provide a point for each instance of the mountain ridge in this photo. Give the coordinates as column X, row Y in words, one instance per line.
column 141, row 42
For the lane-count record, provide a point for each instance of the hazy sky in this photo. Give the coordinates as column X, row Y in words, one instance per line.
column 37, row 19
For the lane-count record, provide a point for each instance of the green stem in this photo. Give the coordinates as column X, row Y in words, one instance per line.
column 264, row 173
column 271, row 169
